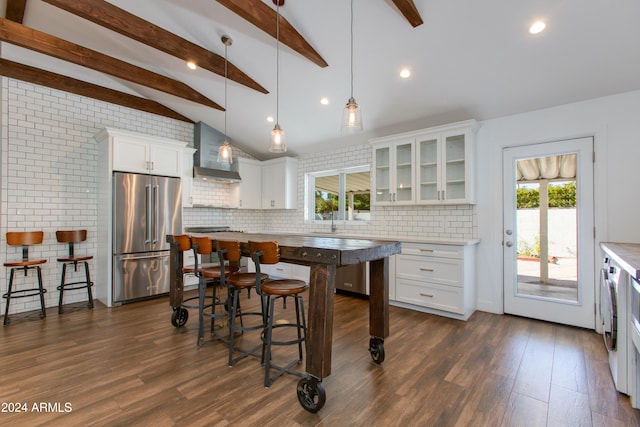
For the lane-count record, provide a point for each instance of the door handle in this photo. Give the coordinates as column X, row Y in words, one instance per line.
column 156, row 213
column 148, row 201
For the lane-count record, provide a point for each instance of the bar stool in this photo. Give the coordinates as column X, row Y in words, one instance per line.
column 71, row 238
column 25, row 239
column 273, row 290
column 204, row 246
column 229, row 250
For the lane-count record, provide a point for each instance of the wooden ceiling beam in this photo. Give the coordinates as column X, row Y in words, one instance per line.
column 109, row 16
column 41, row 77
column 47, row 44
column 15, row 10
column 410, row 11
column 264, row 17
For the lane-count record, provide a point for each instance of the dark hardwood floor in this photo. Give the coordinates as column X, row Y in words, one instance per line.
column 129, row 366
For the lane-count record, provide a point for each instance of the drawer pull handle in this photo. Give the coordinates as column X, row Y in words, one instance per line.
column 426, row 269
column 426, row 295
column 426, row 250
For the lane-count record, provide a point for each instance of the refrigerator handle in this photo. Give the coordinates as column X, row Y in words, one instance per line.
column 156, row 214
column 149, row 207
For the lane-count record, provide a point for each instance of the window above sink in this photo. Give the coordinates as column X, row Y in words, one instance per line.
column 338, row 195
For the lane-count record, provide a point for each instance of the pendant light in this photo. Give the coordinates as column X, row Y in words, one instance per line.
column 351, row 115
column 277, row 144
column 224, row 152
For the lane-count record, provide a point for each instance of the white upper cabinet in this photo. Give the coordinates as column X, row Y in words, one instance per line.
column 394, row 172
column 440, row 169
column 247, row 194
column 280, row 183
column 146, row 154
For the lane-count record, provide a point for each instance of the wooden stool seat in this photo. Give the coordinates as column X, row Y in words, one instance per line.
column 75, row 258
column 71, row 238
column 24, row 239
column 245, row 280
column 285, row 287
column 214, row 272
column 205, row 266
column 27, row 263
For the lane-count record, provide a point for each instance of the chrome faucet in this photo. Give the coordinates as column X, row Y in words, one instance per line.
column 334, row 227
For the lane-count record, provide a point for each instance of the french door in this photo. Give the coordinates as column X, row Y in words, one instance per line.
column 548, row 242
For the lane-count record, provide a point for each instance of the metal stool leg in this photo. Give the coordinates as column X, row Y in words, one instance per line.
column 41, row 291
column 89, row 284
column 64, row 274
column 8, row 296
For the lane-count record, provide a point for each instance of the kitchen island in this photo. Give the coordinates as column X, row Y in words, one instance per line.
column 323, row 255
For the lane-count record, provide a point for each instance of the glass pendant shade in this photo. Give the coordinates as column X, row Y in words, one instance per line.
column 224, row 153
column 351, row 116
column 277, row 140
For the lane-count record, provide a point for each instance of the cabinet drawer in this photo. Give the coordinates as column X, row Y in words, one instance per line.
column 429, row 249
column 432, row 295
column 446, row 271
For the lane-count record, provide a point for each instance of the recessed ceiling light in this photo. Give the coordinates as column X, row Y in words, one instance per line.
column 405, row 73
column 192, row 65
column 324, row 101
column 270, row 119
column 537, row 27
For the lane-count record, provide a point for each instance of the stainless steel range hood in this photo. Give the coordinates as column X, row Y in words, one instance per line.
column 206, row 167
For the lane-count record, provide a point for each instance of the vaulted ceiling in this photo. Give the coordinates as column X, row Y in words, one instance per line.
column 468, row 59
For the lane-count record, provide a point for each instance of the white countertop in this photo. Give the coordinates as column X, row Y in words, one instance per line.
column 627, row 255
column 407, row 239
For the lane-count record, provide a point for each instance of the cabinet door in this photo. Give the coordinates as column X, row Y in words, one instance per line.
column 187, row 177
column 268, row 186
column 404, row 175
column 382, row 170
column 250, row 188
column 130, row 155
column 165, row 160
column 428, row 169
column 454, row 168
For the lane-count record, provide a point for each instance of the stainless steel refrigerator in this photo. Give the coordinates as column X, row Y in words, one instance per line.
column 145, row 209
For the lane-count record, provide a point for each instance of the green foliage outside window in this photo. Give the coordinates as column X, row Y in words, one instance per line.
column 560, row 196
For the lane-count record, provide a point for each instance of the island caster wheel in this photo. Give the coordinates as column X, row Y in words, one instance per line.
column 311, row 394
column 179, row 317
column 376, row 348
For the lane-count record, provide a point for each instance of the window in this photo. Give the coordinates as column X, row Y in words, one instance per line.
column 339, row 195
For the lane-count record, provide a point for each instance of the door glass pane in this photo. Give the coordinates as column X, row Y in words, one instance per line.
column 382, row 174
column 403, row 172
column 546, row 227
column 455, row 167
column 428, row 170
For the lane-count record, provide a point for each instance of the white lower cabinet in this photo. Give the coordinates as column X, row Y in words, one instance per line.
column 435, row 278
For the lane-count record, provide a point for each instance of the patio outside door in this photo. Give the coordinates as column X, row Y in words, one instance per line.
column 548, row 242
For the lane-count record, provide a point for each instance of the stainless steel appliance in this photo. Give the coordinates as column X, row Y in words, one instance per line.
column 613, row 312
column 352, row 278
column 145, row 209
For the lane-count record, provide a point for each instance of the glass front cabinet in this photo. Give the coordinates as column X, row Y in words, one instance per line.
column 430, row 166
column 394, row 172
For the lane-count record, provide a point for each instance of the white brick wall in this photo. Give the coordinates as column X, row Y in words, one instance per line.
column 48, row 173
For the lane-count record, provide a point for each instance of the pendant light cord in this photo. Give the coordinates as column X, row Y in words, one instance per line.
column 351, row 48
column 225, row 93
column 278, row 63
